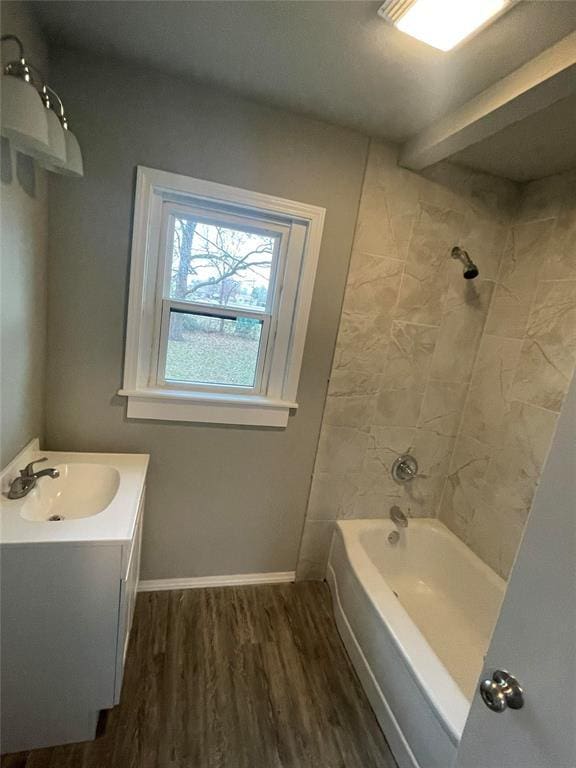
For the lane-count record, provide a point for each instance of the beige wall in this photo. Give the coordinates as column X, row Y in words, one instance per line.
column 24, row 223
column 421, row 350
column 220, row 499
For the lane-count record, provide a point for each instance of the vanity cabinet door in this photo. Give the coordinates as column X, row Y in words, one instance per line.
column 59, row 619
column 128, row 591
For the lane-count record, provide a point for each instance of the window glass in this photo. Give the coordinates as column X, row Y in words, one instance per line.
column 219, row 265
column 203, row 349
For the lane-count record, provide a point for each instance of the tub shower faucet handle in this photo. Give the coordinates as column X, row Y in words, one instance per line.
column 404, row 468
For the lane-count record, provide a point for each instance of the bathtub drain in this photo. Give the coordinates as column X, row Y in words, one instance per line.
column 54, row 518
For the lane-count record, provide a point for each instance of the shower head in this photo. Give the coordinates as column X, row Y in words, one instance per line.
column 470, row 269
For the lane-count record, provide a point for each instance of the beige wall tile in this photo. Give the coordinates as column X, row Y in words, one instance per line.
column 397, row 408
column 332, row 496
column 351, row 398
column 464, row 314
column 402, row 188
column 373, row 284
column 560, row 261
column 488, row 397
column 373, row 230
column 526, row 249
column 409, row 356
column 427, row 267
column 433, row 452
column 544, row 198
column 442, row 407
column 491, row 489
column 314, row 549
column 384, row 447
column 549, row 349
column 515, row 468
column 494, row 536
column 385, row 444
column 341, row 449
column 420, row 496
column 471, row 192
column 465, row 493
column 363, row 342
column 373, row 502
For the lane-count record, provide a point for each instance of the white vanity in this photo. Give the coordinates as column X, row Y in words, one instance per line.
column 69, row 559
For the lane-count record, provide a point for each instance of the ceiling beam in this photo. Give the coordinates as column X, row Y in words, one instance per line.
column 549, row 77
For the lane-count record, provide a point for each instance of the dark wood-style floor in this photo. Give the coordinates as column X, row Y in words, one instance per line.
column 246, row 677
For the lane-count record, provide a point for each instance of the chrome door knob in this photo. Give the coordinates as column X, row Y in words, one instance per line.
column 502, row 692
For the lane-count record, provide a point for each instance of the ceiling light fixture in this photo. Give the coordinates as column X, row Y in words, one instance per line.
column 442, row 24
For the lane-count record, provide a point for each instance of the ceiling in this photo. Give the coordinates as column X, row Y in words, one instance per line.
column 337, row 61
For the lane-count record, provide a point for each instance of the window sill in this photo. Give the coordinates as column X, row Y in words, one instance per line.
column 209, row 407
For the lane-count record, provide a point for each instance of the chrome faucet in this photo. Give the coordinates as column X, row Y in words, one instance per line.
column 400, row 520
column 26, row 481
column 398, row 517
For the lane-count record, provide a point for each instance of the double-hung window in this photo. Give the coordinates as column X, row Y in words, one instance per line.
column 221, row 281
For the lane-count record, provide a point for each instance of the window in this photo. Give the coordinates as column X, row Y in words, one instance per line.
column 220, row 288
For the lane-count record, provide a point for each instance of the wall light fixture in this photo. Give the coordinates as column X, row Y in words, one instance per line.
column 24, row 122
column 33, row 117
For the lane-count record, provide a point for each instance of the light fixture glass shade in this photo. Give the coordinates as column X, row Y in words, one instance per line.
column 72, row 165
column 24, row 121
column 56, row 152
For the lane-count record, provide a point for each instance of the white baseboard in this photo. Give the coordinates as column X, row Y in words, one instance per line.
column 231, row 580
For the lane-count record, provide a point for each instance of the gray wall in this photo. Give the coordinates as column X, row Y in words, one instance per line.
column 221, row 499
column 24, row 222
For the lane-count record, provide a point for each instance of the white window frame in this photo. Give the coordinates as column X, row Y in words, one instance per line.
column 270, row 401
column 166, row 304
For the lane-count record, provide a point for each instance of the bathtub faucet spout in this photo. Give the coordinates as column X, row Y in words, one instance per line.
column 398, row 517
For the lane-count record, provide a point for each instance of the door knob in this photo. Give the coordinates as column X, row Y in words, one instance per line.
column 502, row 692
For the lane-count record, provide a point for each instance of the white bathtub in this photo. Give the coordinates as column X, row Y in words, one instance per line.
column 416, row 619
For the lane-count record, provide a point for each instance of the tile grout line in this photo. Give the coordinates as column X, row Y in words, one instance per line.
column 533, row 405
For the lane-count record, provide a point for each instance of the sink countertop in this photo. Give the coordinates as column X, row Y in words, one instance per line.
column 114, row 524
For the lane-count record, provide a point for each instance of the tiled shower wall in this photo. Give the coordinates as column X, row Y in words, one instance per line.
column 456, row 372
column 523, row 368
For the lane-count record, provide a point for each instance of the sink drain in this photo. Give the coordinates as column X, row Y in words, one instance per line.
column 53, row 518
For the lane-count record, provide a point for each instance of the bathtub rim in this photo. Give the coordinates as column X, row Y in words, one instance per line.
column 448, row 702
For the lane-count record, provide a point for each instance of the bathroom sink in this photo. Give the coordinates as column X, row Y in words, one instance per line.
column 97, row 497
column 81, row 490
